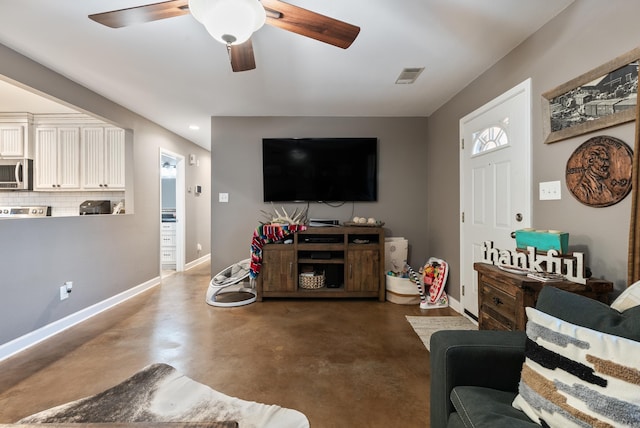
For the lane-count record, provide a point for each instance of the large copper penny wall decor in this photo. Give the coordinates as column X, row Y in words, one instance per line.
column 599, row 171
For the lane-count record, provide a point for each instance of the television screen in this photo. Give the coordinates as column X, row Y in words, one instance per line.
column 320, row 169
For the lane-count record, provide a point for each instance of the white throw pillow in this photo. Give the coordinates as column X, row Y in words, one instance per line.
column 628, row 299
column 577, row 377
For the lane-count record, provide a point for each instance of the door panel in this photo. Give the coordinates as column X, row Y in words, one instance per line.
column 278, row 269
column 362, row 270
column 503, row 195
column 495, row 180
column 479, row 197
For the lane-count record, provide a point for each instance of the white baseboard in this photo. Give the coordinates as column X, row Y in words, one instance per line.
column 34, row 337
column 455, row 304
column 197, row 262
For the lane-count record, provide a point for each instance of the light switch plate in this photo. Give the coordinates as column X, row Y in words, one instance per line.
column 550, row 190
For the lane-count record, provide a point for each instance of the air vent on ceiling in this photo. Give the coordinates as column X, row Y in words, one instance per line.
column 408, row 75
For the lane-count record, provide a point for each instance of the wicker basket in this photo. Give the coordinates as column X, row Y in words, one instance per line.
column 312, row 282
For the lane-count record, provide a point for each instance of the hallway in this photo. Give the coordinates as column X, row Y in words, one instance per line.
column 343, row 363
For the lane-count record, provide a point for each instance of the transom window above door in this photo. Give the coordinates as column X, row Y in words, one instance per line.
column 491, row 138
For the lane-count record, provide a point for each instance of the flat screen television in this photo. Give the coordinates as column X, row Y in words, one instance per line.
column 320, row 169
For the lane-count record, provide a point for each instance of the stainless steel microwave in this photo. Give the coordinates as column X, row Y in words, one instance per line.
column 16, row 174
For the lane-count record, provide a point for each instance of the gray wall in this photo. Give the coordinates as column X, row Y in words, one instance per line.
column 587, row 34
column 236, row 154
column 419, row 164
column 102, row 255
column 110, row 254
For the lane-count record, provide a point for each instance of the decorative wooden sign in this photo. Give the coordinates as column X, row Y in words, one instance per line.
column 572, row 268
column 598, row 172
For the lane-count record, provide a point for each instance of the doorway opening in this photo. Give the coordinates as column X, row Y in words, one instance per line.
column 172, row 213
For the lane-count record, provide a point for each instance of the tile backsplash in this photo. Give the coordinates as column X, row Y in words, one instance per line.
column 62, row 203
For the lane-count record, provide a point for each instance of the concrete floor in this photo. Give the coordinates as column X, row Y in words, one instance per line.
column 343, row 363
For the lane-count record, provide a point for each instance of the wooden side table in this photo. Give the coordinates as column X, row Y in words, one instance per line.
column 503, row 296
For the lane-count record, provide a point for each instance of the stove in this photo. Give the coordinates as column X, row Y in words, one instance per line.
column 23, row 212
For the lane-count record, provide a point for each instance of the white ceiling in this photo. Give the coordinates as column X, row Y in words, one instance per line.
column 174, row 73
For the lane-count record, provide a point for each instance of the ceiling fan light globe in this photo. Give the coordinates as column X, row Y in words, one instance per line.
column 259, row 15
column 199, row 8
column 231, row 19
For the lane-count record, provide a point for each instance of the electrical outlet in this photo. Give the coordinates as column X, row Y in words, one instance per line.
column 199, row 247
column 64, row 294
column 223, row 197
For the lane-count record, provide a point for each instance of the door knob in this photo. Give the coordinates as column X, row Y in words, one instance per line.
column 513, row 234
column 518, row 217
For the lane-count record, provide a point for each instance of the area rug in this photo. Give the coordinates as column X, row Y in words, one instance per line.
column 426, row 326
column 160, row 394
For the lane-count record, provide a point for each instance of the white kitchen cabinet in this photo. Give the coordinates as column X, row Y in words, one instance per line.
column 57, row 158
column 15, row 135
column 12, row 141
column 78, row 152
column 103, row 158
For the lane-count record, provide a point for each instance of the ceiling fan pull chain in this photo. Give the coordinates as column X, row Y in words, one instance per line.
column 229, row 50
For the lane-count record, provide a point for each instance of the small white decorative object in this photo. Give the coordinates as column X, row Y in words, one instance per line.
column 371, row 220
column 362, row 220
column 356, row 219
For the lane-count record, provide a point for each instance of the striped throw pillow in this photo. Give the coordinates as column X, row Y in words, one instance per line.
column 577, row 377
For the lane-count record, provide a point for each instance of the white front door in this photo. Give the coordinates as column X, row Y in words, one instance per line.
column 495, row 181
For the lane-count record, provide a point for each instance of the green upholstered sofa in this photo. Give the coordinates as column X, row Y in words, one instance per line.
column 475, row 374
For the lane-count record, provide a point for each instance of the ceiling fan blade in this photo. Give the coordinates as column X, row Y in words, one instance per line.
column 147, row 13
column 241, row 56
column 310, row 24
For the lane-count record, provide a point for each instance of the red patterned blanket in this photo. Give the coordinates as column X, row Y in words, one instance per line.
column 267, row 234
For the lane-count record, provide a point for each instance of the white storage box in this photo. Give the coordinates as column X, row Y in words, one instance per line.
column 402, row 291
column 395, row 254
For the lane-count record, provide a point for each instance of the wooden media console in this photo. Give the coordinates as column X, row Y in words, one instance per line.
column 348, row 262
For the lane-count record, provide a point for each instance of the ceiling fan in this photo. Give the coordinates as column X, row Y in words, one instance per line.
column 232, row 22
